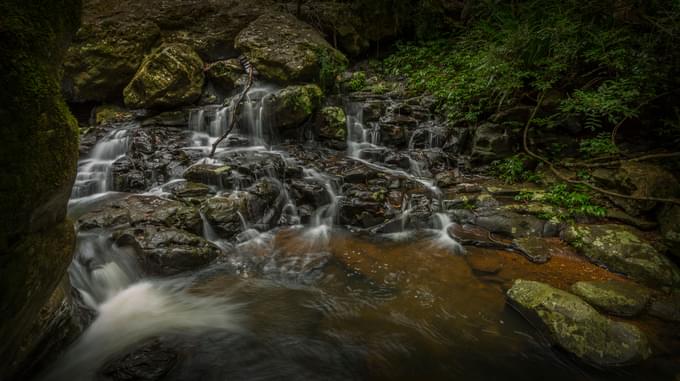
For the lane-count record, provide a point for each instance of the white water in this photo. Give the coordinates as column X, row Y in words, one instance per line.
column 140, row 312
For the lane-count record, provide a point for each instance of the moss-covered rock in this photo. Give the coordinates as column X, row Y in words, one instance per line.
column 225, row 74
column 332, row 123
column 38, row 154
column 285, row 49
column 294, row 105
column 621, row 249
column 171, row 76
column 669, row 224
column 615, row 297
column 577, row 327
column 104, row 57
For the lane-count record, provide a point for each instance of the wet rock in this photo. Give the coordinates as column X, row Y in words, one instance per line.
column 638, row 179
column 225, row 74
column 446, row 179
column 171, row 76
column 139, row 210
column 622, row 250
column 669, row 224
column 577, row 327
column 230, row 214
column 666, row 307
column 359, row 175
column 510, row 224
column 165, row 250
column 615, row 297
column 294, row 105
column 536, row 249
column 284, row 49
column 492, row 142
column 210, row 174
column 151, row 362
column 332, row 124
column 188, row 189
column 104, row 57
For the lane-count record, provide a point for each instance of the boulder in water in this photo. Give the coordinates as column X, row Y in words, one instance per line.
column 615, row 297
column 621, row 249
column 577, row 327
column 171, row 76
column 284, row 49
column 167, row 251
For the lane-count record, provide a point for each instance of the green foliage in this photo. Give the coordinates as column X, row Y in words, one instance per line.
column 611, row 61
column 574, row 200
column 512, row 170
column 358, row 81
column 598, row 146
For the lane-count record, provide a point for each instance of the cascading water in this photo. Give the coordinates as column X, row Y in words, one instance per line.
column 94, row 173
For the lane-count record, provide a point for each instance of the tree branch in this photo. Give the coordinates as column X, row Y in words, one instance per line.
column 237, row 107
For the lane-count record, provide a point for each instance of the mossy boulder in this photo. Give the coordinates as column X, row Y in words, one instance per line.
column 621, row 249
column 332, row 123
column 104, row 57
column 38, row 155
column 293, row 105
column 171, row 76
column 225, row 74
column 615, row 297
column 577, row 327
column 284, row 49
column 669, row 224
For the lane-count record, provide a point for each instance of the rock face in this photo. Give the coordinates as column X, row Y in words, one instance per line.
column 638, row 179
column 284, row 49
column 225, row 74
column 38, row 154
column 492, row 142
column 622, row 250
column 293, row 105
column 577, row 327
column 171, row 76
column 617, row 298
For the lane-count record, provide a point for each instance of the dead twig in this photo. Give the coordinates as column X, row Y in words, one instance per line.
column 235, row 116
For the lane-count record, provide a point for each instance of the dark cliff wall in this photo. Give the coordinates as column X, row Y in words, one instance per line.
column 38, row 154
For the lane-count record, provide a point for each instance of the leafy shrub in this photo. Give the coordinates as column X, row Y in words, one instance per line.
column 358, row 81
column 598, row 146
column 575, row 201
column 512, row 170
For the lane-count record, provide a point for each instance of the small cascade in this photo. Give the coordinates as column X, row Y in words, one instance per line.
column 444, row 239
column 94, row 173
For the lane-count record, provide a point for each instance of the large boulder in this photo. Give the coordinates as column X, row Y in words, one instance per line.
column 492, row 142
column 284, row 49
column 171, row 76
column 621, row 249
column 38, row 155
column 615, row 297
column 167, row 251
column 225, row 74
column 294, row 105
column 577, row 327
column 641, row 180
column 104, row 57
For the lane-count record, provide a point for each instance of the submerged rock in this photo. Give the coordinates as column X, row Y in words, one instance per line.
column 171, row 76
column 285, row 49
column 615, row 297
column 666, row 307
column 167, row 251
column 622, row 250
column 577, row 327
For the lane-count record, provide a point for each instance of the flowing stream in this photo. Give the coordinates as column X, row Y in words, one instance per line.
column 302, row 298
